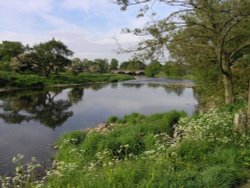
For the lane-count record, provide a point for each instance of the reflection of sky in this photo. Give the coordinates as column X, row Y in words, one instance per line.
column 33, row 139
column 134, row 99
column 96, row 106
column 29, row 138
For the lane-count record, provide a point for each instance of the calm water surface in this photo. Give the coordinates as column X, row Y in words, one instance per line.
column 31, row 121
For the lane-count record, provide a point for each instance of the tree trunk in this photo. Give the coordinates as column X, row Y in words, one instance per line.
column 227, row 80
column 228, row 89
column 248, row 108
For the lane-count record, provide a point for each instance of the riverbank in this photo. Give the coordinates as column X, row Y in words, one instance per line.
column 150, row 151
column 13, row 81
column 160, row 150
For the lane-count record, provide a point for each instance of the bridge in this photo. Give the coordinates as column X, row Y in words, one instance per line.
column 129, row 72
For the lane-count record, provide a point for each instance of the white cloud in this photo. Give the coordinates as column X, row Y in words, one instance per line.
column 27, row 6
column 34, row 21
column 86, row 5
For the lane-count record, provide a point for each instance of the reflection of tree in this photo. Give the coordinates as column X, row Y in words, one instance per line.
column 151, row 85
column 14, row 118
column 177, row 90
column 75, row 95
column 131, row 85
column 54, row 113
column 41, row 106
column 114, row 85
column 97, row 87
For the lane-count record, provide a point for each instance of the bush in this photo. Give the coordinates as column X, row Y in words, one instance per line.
column 112, row 119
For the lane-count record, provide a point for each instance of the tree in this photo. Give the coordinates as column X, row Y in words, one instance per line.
column 153, row 68
column 52, row 56
column 174, row 69
column 114, row 64
column 136, row 64
column 25, row 62
column 212, row 30
column 102, row 64
column 76, row 66
column 124, row 65
column 133, row 64
column 10, row 49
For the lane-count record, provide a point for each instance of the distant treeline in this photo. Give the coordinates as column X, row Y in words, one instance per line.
column 54, row 57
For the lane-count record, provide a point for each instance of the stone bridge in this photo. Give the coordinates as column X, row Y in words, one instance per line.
column 129, row 72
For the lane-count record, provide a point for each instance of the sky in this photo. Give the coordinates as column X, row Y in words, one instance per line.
column 90, row 28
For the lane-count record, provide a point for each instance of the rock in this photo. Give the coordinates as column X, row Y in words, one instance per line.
column 240, row 121
column 101, row 128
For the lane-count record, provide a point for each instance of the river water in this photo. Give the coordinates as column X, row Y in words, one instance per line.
column 32, row 120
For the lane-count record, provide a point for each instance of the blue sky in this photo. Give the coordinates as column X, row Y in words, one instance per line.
column 88, row 27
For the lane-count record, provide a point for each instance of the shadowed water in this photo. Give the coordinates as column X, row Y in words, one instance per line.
column 31, row 120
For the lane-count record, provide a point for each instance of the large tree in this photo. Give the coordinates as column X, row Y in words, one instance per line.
column 76, row 66
column 133, row 64
column 114, row 64
column 52, row 56
column 25, row 62
column 213, row 31
column 153, row 68
column 10, row 49
column 102, row 64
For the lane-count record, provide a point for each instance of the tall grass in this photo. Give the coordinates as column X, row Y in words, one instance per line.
column 147, row 151
column 152, row 151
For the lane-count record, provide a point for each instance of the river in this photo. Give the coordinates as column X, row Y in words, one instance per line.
column 32, row 120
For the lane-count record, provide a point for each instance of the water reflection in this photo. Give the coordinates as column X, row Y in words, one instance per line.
column 175, row 90
column 43, row 115
column 132, row 85
column 40, row 106
column 75, row 95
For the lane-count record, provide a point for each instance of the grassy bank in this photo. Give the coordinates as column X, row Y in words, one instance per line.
column 203, row 151
column 8, row 79
column 149, row 151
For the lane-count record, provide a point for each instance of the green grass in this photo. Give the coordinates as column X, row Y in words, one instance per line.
column 145, row 151
column 202, row 151
column 9, row 79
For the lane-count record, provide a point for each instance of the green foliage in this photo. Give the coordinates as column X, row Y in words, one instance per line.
column 241, row 74
column 151, row 151
column 102, row 65
column 114, row 64
column 24, row 63
column 204, row 151
column 153, row 69
column 207, row 32
column 208, row 85
column 133, row 64
column 10, row 49
column 76, row 66
column 25, row 175
column 112, row 119
column 136, row 65
column 4, row 66
column 32, row 80
column 124, row 65
column 171, row 69
column 51, row 56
